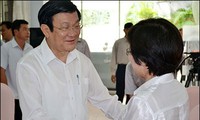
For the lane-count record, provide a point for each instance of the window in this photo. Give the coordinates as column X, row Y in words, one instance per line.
column 103, row 23
column 103, row 20
column 100, row 24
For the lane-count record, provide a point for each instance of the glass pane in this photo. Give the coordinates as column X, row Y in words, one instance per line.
column 103, row 23
column 100, row 21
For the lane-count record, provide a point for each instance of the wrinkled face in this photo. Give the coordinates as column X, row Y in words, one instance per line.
column 23, row 33
column 6, row 33
column 66, row 30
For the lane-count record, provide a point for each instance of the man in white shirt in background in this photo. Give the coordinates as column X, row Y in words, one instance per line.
column 55, row 80
column 11, row 53
column 6, row 29
column 118, row 62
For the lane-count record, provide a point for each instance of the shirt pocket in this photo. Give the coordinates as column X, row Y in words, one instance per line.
column 84, row 88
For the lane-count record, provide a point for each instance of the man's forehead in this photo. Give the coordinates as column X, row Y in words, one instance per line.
column 69, row 23
column 24, row 25
column 71, row 18
column 3, row 27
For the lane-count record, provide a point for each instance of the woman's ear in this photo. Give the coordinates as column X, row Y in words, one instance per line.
column 45, row 29
column 130, row 57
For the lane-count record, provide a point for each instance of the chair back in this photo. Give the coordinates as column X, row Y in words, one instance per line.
column 194, row 114
column 7, row 103
column 193, row 93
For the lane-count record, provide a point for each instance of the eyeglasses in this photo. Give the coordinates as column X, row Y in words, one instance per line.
column 75, row 28
column 128, row 51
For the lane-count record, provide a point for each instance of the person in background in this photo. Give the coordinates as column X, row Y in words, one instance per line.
column 83, row 47
column 11, row 52
column 2, row 42
column 6, row 29
column 118, row 62
column 132, row 82
column 156, row 49
column 55, row 80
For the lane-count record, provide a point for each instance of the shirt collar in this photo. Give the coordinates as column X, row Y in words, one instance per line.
column 125, row 39
column 49, row 56
column 14, row 44
column 72, row 56
column 155, row 81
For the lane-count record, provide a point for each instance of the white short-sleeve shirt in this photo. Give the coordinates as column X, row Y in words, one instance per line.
column 10, row 55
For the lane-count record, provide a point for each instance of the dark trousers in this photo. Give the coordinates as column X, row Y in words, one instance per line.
column 120, row 81
column 18, row 112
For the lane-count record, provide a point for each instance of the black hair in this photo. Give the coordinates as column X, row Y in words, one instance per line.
column 128, row 25
column 8, row 24
column 49, row 9
column 157, row 43
column 17, row 24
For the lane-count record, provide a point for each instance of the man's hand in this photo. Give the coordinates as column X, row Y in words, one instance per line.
column 113, row 78
column 3, row 76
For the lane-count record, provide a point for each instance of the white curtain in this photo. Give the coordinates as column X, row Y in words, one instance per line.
column 21, row 10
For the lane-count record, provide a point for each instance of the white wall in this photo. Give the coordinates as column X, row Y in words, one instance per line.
column 34, row 9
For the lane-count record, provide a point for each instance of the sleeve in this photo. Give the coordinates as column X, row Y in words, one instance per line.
column 99, row 96
column 137, row 109
column 29, row 94
column 114, row 59
column 4, row 57
column 130, row 86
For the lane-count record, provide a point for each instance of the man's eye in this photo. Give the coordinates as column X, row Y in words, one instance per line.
column 65, row 28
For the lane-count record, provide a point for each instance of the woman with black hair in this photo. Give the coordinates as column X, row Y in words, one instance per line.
column 156, row 49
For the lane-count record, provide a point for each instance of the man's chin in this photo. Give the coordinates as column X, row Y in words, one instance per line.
column 70, row 49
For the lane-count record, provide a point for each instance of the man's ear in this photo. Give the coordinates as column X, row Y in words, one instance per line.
column 45, row 29
column 15, row 32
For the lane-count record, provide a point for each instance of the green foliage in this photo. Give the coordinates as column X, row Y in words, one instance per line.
column 95, row 17
column 144, row 10
column 183, row 16
column 147, row 11
column 132, row 15
column 137, row 12
column 141, row 10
